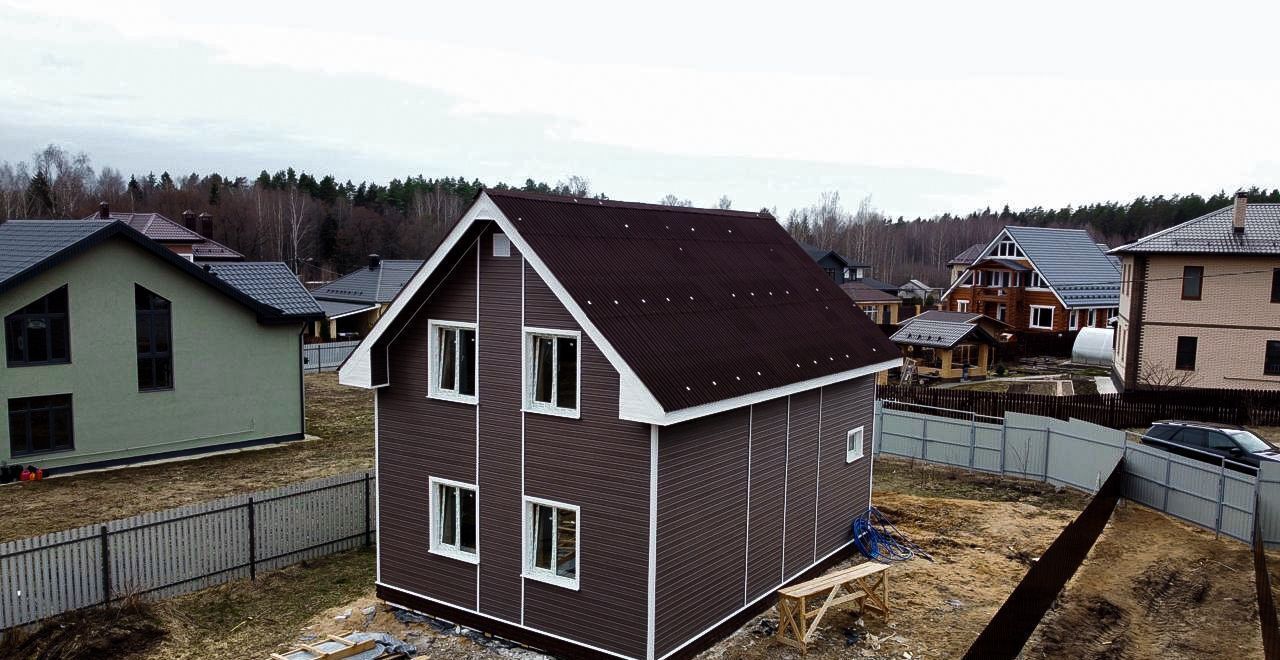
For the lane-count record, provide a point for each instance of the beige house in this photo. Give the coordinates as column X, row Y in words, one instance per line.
column 879, row 306
column 1200, row 303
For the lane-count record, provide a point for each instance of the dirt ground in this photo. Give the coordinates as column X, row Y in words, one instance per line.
column 340, row 417
column 1145, row 590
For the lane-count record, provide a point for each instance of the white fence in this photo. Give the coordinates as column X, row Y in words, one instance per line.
column 1081, row 454
column 326, row 357
column 177, row 551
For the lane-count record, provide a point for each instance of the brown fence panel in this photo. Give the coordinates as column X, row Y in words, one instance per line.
column 1011, row 627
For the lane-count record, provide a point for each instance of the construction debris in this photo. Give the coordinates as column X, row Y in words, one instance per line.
column 351, row 646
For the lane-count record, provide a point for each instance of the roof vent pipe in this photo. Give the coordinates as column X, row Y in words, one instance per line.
column 374, row 261
column 104, row 211
column 1238, row 212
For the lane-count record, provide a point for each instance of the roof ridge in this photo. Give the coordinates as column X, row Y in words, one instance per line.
column 1180, row 225
column 561, row 199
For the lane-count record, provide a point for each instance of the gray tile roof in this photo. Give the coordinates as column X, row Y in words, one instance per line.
column 334, row 308
column 159, row 228
column 932, row 333
column 941, row 315
column 1212, row 233
column 970, row 253
column 370, row 285
column 25, row 244
column 270, row 283
column 1077, row 269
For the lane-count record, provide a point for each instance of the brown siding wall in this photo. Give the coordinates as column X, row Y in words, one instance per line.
column 598, row 463
column 712, row 562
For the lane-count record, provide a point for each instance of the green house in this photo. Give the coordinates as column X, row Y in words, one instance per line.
column 118, row 350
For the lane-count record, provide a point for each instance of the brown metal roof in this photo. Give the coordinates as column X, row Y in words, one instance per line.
column 864, row 293
column 704, row 305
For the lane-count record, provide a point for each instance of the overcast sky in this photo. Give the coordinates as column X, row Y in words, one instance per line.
column 927, row 107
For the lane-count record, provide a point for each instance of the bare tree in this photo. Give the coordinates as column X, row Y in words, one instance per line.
column 573, row 186
column 672, row 200
column 70, row 177
column 13, row 190
column 1159, row 376
column 724, row 203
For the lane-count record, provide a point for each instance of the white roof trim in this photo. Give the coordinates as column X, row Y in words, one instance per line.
column 354, row 311
column 986, row 252
column 635, row 401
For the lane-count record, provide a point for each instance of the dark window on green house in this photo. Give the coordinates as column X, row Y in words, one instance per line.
column 1186, row 358
column 39, row 333
column 155, row 341
column 39, row 424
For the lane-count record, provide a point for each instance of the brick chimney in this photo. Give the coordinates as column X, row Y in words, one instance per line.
column 1238, row 212
column 374, row 261
column 189, row 219
column 104, row 211
column 206, row 224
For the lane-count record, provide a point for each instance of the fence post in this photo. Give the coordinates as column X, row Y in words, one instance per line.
column 106, row 564
column 253, row 543
column 1047, row 435
column 1004, row 441
column 369, row 539
column 1222, row 495
column 973, row 437
column 1168, row 472
column 924, row 439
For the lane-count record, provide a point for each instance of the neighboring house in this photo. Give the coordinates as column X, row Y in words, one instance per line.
column 878, row 305
column 916, row 290
column 843, row 269
column 1039, row 280
column 622, row 456
column 950, row 345
column 119, row 350
column 353, row 303
column 1200, row 304
column 188, row 239
column 962, row 261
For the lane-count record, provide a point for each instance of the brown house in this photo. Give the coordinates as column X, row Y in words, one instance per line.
column 1200, row 303
column 1038, row 280
column 600, row 435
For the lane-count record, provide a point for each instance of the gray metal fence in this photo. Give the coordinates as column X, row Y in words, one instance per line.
column 326, row 357
column 180, row 550
column 1081, row 454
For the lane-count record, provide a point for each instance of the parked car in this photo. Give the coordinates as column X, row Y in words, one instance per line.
column 1212, row 443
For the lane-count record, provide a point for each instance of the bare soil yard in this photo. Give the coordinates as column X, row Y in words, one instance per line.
column 1146, row 590
column 340, row 417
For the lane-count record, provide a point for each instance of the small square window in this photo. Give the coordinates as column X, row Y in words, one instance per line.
column 853, row 445
column 454, row 523
column 553, row 369
column 551, row 531
column 452, row 356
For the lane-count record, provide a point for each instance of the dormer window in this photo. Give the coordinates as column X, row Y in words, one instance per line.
column 1007, row 248
column 452, row 356
column 552, row 374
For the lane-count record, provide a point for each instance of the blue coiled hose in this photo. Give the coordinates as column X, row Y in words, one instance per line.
column 876, row 538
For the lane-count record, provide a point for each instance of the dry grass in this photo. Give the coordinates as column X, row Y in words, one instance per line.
column 341, row 418
column 129, row 628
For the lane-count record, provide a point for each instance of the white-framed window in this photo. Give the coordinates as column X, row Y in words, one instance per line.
column 1002, row 312
column 501, row 245
column 1042, row 317
column 455, row 525
column 1093, row 318
column 870, row 312
column 552, row 371
column 1036, row 281
column 452, row 357
column 962, row 305
column 551, row 542
column 1001, row 278
column 1073, row 319
column 1007, row 248
column 853, row 445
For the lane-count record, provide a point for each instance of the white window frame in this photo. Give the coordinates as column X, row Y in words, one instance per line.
column 532, row 572
column 1031, row 321
column 435, row 547
column 1093, row 318
column 855, row 437
column 527, row 384
column 501, row 245
column 1002, row 312
column 1036, row 281
column 1073, row 319
column 962, row 305
column 434, row 391
column 872, row 313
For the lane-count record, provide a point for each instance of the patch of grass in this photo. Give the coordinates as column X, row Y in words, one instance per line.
column 245, row 619
column 896, row 475
column 341, row 417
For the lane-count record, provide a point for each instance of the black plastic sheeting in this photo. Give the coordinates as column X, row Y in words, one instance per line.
column 1011, row 627
column 1266, row 602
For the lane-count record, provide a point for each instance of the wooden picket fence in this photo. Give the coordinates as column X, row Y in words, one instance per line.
column 1132, row 409
column 176, row 551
